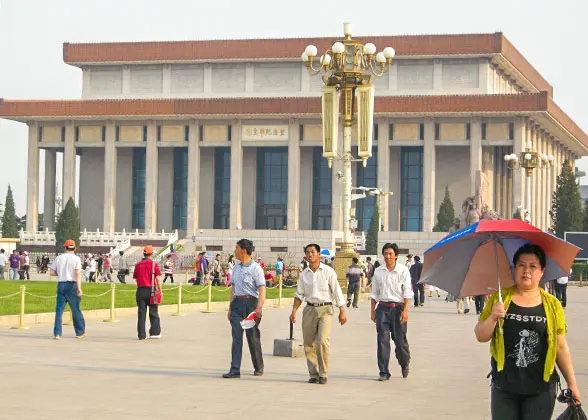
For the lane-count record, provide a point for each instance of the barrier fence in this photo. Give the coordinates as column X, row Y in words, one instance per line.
column 181, row 287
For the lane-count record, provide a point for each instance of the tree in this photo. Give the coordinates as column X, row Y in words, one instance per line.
column 566, row 205
column 9, row 222
column 446, row 214
column 371, row 240
column 517, row 214
column 585, row 223
column 68, row 226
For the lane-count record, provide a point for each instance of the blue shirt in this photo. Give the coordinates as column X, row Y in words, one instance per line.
column 279, row 267
column 247, row 278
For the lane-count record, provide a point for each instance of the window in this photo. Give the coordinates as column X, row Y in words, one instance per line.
column 138, row 202
column 117, row 133
column 301, row 132
column 187, row 132
column 40, row 133
column 483, row 131
column 158, row 133
column 229, row 132
column 63, row 134
column 200, row 133
column 272, row 188
column 437, row 131
column 77, row 134
column 216, row 248
column 391, row 131
column 278, row 249
column 222, row 187
column 366, row 177
column 421, row 131
column 103, row 133
column 511, row 131
column 144, row 133
column 468, row 133
column 411, row 200
column 322, row 191
column 180, row 193
column 375, row 131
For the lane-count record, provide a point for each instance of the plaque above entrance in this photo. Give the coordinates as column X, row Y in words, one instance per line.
column 265, row 132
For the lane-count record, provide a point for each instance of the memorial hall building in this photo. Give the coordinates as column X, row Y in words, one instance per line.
column 222, row 139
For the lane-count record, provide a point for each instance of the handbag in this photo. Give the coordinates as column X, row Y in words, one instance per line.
column 573, row 412
column 156, row 293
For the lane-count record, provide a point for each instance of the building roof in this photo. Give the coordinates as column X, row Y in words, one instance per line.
column 291, row 48
column 536, row 105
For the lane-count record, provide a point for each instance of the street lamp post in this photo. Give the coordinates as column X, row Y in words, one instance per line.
column 528, row 161
column 348, row 68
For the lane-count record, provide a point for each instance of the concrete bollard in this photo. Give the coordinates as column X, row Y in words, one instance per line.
column 288, row 347
column 21, row 325
column 112, row 308
column 179, row 311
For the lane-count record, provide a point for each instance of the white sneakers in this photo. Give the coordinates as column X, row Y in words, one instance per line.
column 155, row 337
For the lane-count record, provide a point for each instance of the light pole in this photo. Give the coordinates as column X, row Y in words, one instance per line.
column 528, row 161
column 348, row 68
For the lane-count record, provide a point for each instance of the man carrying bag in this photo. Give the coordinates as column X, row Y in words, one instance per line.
column 148, row 277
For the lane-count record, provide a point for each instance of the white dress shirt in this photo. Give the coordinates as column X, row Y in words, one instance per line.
column 391, row 286
column 320, row 286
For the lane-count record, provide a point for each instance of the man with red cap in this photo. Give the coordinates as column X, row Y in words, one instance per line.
column 67, row 267
column 147, row 274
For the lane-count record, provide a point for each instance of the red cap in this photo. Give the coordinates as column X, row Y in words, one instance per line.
column 70, row 244
column 148, row 250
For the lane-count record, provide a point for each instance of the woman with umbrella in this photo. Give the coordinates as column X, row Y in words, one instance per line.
column 526, row 327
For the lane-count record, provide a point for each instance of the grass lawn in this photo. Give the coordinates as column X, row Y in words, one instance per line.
column 125, row 296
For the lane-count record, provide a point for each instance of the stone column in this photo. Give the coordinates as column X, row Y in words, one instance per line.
column 384, row 170
column 475, row 152
column 293, row 175
column 518, row 176
column 110, row 166
column 193, row 177
column 429, row 176
column 69, row 163
column 236, row 211
column 49, row 204
column 151, row 178
column 33, row 178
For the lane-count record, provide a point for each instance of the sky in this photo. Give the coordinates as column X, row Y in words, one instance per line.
column 551, row 34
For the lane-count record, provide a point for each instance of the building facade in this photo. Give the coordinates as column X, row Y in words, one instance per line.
column 219, row 138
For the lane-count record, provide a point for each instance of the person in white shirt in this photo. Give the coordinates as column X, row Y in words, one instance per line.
column 92, row 266
column 3, row 260
column 26, row 265
column 67, row 267
column 391, row 297
column 561, row 289
column 318, row 285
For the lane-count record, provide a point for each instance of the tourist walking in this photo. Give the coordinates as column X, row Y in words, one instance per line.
column 354, row 274
column 561, row 289
column 68, row 269
column 479, row 301
column 391, row 296
column 147, row 275
column 92, row 265
column 370, row 270
column 107, row 269
column 168, row 268
column 230, row 265
column 318, row 286
column 3, row 261
column 26, row 265
column 526, row 330
column 409, row 262
column 279, row 270
column 247, row 295
column 217, row 270
column 14, row 261
column 123, row 268
column 415, row 271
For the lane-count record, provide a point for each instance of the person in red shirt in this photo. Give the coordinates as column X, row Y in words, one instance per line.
column 146, row 274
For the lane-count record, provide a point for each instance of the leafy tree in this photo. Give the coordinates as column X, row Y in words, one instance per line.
column 68, row 226
column 446, row 214
column 371, row 240
column 517, row 214
column 585, row 224
column 566, row 205
column 9, row 222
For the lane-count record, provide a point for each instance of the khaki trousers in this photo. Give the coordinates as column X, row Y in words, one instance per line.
column 316, row 334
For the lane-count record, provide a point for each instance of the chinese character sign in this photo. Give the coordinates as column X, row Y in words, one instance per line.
column 265, row 132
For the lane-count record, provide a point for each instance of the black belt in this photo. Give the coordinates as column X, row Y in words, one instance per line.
column 391, row 304
column 319, row 304
column 245, row 297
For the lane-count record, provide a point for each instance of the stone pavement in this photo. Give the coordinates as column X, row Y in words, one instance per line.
column 109, row 375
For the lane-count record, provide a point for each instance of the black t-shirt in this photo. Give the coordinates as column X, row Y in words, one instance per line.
column 525, row 349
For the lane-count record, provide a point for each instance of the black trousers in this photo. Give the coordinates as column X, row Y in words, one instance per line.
column 388, row 326
column 240, row 309
column 353, row 290
column 121, row 277
column 143, row 296
column 507, row 406
column 561, row 292
column 171, row 277
column 216, row 279
column 479, row 300
column 419, row 293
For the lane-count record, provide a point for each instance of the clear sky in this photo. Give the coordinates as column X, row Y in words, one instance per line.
column 552, row 35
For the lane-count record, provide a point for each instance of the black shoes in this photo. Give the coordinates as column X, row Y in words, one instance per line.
column 322, row 381
column 405, row 371
column 231, row 375
column 465, row 311
column 383, row 378
column 313, row 381
column 258, row 373
column 348, row 303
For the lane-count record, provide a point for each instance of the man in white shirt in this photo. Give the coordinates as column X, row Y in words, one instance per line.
column 561, row 289
column 92, row 265
column 318, row 285
column 3, row 260
column 391, row 298
column 67, row 267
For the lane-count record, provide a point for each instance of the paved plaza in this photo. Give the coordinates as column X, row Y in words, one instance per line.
column 110, row 375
